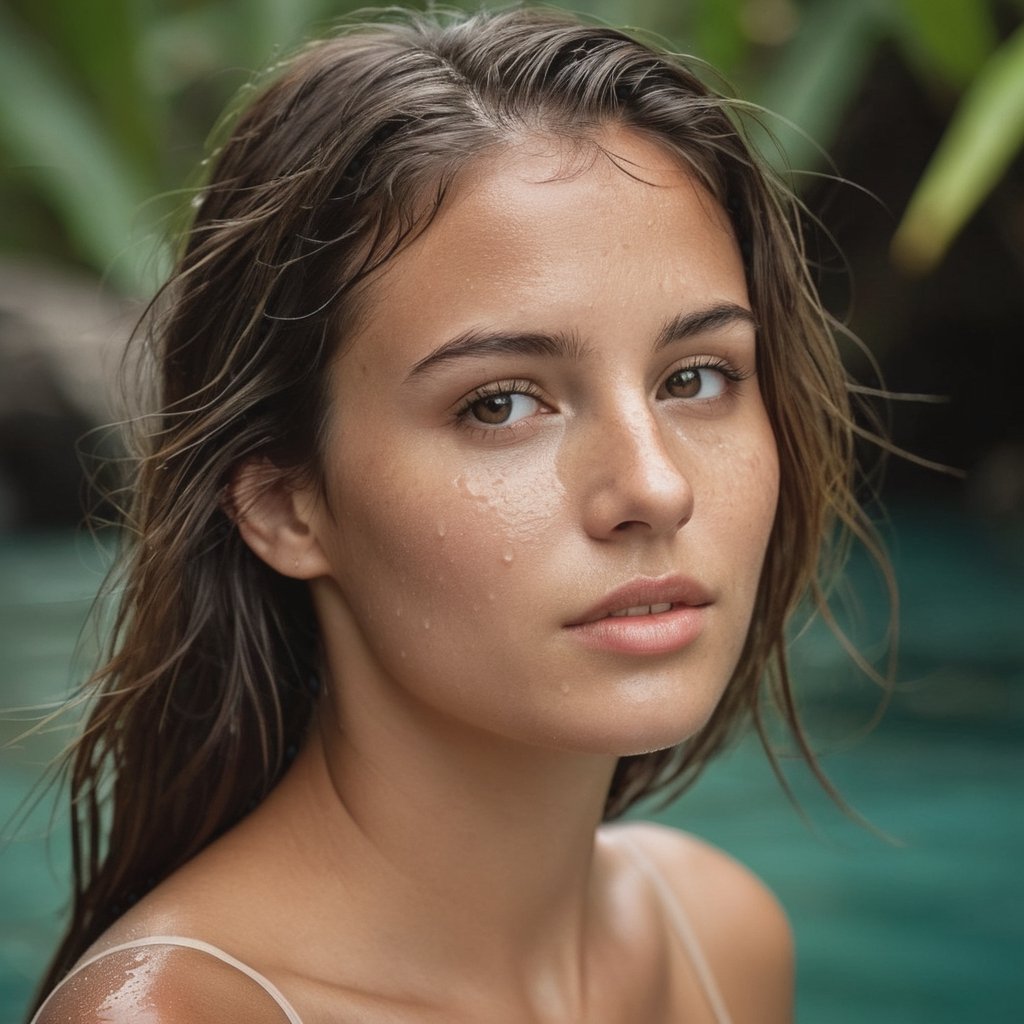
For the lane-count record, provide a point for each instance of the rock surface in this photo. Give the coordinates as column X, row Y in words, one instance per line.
column 61, row 340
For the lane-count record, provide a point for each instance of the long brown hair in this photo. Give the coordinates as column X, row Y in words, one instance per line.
column 332, row 166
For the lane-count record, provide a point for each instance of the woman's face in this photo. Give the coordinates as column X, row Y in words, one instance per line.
column 550, row 475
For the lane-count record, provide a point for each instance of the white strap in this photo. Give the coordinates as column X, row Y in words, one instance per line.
column 684, row 929
column 204, row 947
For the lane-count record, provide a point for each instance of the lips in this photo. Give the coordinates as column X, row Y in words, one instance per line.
column 643, row 609
column 647, row 597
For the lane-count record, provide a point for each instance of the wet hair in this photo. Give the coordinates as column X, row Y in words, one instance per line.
column 332, row 165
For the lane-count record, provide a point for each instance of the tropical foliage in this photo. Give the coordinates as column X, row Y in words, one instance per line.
column 103, row 106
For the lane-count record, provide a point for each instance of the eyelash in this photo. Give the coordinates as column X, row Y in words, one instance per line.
column 502, row 387
column 733, row 374
column 524, row 387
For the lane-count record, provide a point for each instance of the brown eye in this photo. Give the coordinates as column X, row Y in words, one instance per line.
column 501, row 408
column 493, row 409
column 697, row 382
column 684, row 383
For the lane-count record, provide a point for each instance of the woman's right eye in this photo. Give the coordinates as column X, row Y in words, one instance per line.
column 499, row 408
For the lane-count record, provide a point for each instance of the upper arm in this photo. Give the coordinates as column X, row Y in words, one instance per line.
column 160, row 985
column 740, row 924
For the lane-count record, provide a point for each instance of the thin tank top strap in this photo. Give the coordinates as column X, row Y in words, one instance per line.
column 203, row 947
column 684, row 930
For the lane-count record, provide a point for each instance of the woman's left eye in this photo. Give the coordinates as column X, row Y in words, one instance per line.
column 500, row 409
column 700, row 382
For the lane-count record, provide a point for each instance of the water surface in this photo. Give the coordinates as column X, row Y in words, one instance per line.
column 922, row 927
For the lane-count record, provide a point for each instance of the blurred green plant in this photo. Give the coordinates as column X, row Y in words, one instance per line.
column 103, row 105
column 986, row 132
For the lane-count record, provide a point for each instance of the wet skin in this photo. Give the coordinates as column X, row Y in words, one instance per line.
column 551, row 413
column 554, row 396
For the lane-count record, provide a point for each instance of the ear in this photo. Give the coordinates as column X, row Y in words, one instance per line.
column 277, row 519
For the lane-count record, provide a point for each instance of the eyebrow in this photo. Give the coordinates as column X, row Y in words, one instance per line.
column 686, row 325
column 476, row 343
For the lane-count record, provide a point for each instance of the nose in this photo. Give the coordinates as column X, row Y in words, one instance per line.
column 637, row 481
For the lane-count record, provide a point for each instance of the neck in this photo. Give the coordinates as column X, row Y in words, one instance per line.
column 462, row 847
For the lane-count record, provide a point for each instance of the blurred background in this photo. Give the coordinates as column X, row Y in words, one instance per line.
column 903, row 124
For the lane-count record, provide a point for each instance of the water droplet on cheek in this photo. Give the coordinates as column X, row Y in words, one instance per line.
column 426, row 623
column 441, row 530
column 485, row 490
column 508, row 557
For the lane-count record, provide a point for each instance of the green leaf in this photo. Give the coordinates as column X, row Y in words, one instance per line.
column 819, row 72
column 44, row 125
column 948, row 38
column 100, row 45
column 986, row 131
column 269, row 28
column 719, row 34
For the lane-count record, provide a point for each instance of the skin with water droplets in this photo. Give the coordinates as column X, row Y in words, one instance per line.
column 604, row 477
column 156, row 983
column 433, row 843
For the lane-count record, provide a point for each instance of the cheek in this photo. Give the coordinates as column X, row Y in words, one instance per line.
column 743, row 489
column 512, row 504
column 757, row 485
column 439, row 540
column 758, row 492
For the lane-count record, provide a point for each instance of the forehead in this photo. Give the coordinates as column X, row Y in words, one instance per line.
column 526, row 194
column 548, row 233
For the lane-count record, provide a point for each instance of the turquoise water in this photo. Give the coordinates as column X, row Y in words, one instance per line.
column 924, row 926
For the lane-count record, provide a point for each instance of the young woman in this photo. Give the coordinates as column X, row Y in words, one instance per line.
column 499, row 432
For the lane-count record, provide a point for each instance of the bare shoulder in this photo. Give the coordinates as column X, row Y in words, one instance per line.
column 707, row 878
column 740, row 924
column 160, row 984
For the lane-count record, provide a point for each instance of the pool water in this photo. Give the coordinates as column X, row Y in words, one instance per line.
column 921, row 925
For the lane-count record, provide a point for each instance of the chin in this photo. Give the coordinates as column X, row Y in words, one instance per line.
column 631, row 735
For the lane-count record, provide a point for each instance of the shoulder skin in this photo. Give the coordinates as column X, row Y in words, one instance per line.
column 741, row 926
column 160, row 985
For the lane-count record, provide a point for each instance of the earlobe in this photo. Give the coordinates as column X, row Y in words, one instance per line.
column 276, row 519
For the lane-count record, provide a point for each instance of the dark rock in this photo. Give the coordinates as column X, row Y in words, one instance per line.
column 61, row 338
